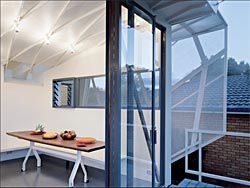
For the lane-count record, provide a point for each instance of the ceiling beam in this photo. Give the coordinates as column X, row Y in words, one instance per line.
column 184, row 11
column 35, row 57
column 91, row 36
column 56, row 20
column 95, row 46
column 190, row 17
column 154, row 4
column 10, row 47
column 26, row 49
column 65, row 50
column 33, row 9
column 50, row 57
column 20, row 17
column 190, row 23
column 79, row 18
column 7, row 31
column 60, row 59
column 87, row 27
column 77, row 41
column 164, row 4
column 40, row 41
column 212, row 29
column 13, row 34
column 58, row 17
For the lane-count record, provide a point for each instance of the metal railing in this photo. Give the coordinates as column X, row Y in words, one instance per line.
column 189, row 150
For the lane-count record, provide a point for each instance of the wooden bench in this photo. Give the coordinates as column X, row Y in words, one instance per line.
column 58, row 142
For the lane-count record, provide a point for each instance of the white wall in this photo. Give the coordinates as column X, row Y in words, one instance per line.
column 23, row 106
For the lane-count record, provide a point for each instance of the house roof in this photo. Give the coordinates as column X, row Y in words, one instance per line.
column 238, row 93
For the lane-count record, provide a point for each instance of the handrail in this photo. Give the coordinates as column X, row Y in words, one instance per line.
column 200, row 145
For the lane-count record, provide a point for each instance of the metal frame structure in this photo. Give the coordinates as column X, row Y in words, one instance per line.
column 76, row 158
column 203, row 69
column 166, row 110
column 132, row 6
column 113, row 95
column 190, row 148
column 113, row 84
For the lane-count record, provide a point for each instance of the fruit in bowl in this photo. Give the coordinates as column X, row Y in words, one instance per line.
column 39, row 130
column 68, row 135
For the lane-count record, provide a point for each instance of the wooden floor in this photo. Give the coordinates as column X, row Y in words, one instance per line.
column 193, row 183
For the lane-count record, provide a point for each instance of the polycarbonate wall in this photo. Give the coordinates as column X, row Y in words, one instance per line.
column 198, row 87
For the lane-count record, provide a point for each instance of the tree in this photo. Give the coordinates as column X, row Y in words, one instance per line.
column 237, row 69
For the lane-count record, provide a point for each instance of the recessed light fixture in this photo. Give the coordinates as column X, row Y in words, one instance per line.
column 16, row 26
column 72, row 49
column 47, row 40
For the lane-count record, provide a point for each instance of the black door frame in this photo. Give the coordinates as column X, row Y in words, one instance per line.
column 113, row 95
column 113, row 91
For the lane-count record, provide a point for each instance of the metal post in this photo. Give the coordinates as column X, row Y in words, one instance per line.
column 186, row 150
column 168, row 104
column 130, row 98
column 162, row 107
column 153, row 129
column 225, row 81
column 130, row 125
column 113, row 95
column 199, row 102
column 200, row 157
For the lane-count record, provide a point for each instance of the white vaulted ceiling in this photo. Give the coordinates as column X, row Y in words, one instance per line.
column 49, row 33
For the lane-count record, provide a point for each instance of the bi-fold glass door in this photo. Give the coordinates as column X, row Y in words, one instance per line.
column 140, row 98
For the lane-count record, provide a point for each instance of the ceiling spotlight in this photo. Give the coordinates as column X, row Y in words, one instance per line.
column 17, row 28
column 72, row 49
column 47, row 40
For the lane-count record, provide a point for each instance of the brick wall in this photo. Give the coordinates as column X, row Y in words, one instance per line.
column 230, row 156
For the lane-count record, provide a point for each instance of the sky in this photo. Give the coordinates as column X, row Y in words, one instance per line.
column 237, row 15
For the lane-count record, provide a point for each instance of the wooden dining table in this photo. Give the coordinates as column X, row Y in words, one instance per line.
column 77, row 158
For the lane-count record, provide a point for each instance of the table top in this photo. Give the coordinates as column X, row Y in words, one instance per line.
column 59, row 142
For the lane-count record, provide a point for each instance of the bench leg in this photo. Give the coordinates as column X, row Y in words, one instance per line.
column 25, row 160
column 85, row 175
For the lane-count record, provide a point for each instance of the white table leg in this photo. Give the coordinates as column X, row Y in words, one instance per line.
column 78, row 162
column 85, row 175
column 27, row 157
column 74, row 171
column 25, row 160
column 38, row 159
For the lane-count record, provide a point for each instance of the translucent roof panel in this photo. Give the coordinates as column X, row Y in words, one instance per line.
column 200, row 16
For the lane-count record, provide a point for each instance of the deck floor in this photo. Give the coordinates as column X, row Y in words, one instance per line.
column 193, row 183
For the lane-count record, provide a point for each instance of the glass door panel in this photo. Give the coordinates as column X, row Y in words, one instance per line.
column 136, row 99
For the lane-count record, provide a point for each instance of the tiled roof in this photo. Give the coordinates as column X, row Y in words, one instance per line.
column 238, row 93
